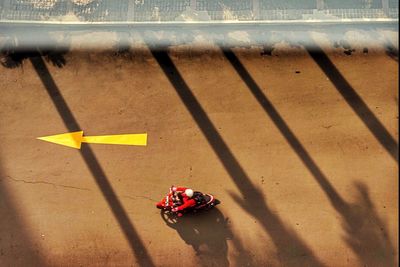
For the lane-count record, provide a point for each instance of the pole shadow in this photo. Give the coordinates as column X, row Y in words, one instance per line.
column 206, row 232
column 354, row 101
column 136, row 244
column 392, row 52
column 391, row 49
column 366, row 233
column 291, row 250
column 20, row 249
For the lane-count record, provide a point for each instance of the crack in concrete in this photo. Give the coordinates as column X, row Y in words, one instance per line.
column 47, row 183
column 134, row 197
column 71, row 187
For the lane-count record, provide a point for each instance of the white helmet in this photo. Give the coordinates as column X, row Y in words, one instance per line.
column 189, row 192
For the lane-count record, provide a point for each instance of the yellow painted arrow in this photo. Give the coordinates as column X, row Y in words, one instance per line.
column 75, row 139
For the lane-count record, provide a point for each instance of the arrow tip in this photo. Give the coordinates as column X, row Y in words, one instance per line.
column 73, row 139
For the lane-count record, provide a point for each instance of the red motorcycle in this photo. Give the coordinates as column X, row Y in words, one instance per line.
column 172, row 200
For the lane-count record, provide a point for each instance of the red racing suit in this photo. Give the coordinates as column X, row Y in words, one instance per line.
column 187, row 202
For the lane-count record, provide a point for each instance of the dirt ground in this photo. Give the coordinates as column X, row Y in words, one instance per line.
column 299, row 146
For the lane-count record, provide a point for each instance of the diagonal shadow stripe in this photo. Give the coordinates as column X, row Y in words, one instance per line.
column 334, row 197
column 291, row 248
column 366, row 232
column 91, row 161
column 354, row 101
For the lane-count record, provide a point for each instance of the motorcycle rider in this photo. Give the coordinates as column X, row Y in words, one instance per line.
column 186, row 195
column 182, row 199
column 176, row 194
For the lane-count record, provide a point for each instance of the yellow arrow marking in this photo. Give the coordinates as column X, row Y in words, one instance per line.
column 121, row 139
column 75, row 139
column 68, row 139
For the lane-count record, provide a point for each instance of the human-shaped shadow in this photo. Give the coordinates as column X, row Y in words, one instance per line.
column 13, row 53
column 366, row 232
column 122, row 47
column 207, row 233
column 15, row 59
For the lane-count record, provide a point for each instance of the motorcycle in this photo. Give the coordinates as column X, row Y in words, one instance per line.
column 170, row 201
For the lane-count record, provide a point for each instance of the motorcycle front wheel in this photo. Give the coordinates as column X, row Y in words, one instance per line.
column 169, row 217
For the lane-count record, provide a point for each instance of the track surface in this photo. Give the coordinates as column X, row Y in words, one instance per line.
column 299, row 147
